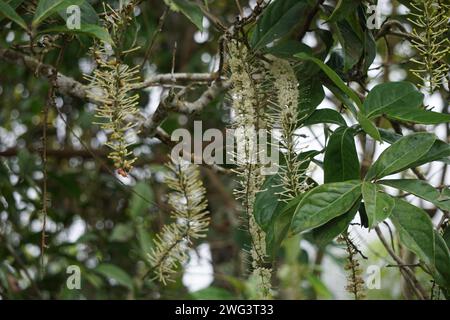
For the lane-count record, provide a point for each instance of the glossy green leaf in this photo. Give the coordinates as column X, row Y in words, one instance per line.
column 277, row 20
column 46, row 8
column 11, row 14
column 324, row 234
column 401, row 155
column 287, row 48
column 325, row 116
column 422, row 190
column 88, row 29
column 389, row 135
column 87, row 12
column 442, row 262
column 417, row 234
column 117, row 274
column 122, row 232
column 333, row 77
column 14, row 4
column 417, row 116
column 343, row 9
column 280, row 225
column 378, row 204
column 349, row 34
column 144, row 239
column 341, row 161
column 368, row 126
column 440, row 151
column 311, row 94
column 341, row 96
column 415, row 230
column 446, row 236
column 189, row 9
column 370, row 50
column 324, row 203
column 392, row 96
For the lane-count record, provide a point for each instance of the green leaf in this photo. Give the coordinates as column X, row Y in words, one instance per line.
column 378, row 204
column 189, row 9
column 400, row 101
column 324, row 234
column 389, row 135
column 11, row 14
column 370, row 50
column 341, row 96
column 324, row 203
column 350, row 40
column 117, row 274
column 321, row 290
column 277, row 20
column 333, row 77
column 325, row 116
column 311, row 94
column 280, row 225
column 144, row 239
column 122, row 232
column 415, row 230
column 422, row 190
column 287, row 48
column 341, row 159
column 401, row 155
column 446, row 236
column 440, row 151
column 442, row 262
column 368, row 126
column 392, row 96
column 275, row 216
column 343, row 9
column 141, row 199
column 88, row 29
column 46, row 8
column 417, row 116
column 14, row 4
column 88, row 14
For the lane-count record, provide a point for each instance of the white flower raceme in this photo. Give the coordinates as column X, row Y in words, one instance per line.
column 261, row 273
column 111, row 85
column 430, row 39
column 286, row 116
column 190, row 220
column 248, row 105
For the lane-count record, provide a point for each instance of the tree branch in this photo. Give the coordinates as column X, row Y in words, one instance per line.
column 175, row 78
column 66, row 85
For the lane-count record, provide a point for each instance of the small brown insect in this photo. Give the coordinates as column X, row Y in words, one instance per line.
column 122, row 172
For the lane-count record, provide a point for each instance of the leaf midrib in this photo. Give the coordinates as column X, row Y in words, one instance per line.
column 331, row 203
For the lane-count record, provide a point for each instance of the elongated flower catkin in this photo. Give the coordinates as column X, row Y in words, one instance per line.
column 190, row 220
column 249, row 116
column 430, row 39
column 111, row 86
column 355, row 282
column 293, row 179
